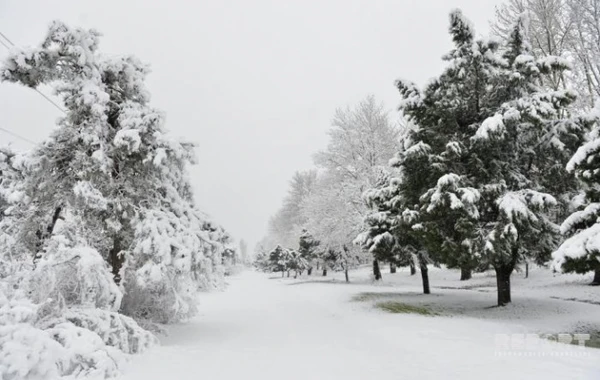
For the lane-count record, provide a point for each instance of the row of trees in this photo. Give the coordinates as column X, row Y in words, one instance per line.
column 327, row 201
column 99, row 234
column 495, row 153
column 310, row 255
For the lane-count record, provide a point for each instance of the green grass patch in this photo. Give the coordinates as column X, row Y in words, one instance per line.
column 402, row 308
column 389, row 302
column 364, row 297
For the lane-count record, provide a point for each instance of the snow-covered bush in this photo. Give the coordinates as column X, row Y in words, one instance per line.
column 60, row 319
column 26, row 352
column 73, row 275
column 50, row 341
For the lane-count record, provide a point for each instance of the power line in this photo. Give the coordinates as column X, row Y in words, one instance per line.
column 18, row 136
column 50, row 100
column 6, row 38
column 35, row 89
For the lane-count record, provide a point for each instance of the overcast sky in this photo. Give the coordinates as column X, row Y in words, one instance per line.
column 253, row 82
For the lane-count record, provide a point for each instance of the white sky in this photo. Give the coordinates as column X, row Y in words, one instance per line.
column 253, row 82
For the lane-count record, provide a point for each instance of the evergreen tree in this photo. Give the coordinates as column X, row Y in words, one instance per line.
column 520, row 155
column 308, row 249
column 436, row 168
column 278, row 260
column 580, row 253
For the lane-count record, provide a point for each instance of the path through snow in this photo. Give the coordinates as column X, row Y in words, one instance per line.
column 262, row 328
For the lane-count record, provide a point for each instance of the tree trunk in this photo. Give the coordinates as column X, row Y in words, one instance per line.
column 424, row 275
column 465, row 274
column 596, row 280
column 318, row 265
column 309, row 271
column 503, row 283
column 346, row 274
column 526, row 270
column 116, row 260
column 376, row 270
column 392, row 268
column 413, row 268
column 282, row 273
column 324, row 271
column 288, row 274
column 42, row 236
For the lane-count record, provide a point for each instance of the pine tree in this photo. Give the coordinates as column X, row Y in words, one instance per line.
column 428, row 210
column 308, row 249
column 580, row 253
column 489, row 147
column 278, row 260
column 521, row 152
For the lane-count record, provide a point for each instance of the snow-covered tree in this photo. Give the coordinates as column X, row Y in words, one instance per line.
column 362, row 141
column 335, row 217
column 521, row 154
column 308, row 249
column 564, row 28
column 111, row 165
column 580, row 253
column 278, row 260
column 98, row 220
column 478, row 180
column 426, row 209
column 436, row 168
column 288, row 222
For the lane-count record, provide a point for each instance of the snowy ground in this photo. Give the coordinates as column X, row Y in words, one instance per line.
column 264, row 327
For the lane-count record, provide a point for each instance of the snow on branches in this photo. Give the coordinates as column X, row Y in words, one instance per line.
column 100, row 218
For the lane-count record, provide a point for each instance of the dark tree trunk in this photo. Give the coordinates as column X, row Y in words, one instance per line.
column 309, row 271
column 503, row 282
column 116, row 259
column 465, row 274
column 392, row 268
column 324, row 271
column 282, row 273
column 424, row 275
column 318, row 265
column 43, row 235
column 596, row 281
column 413, row 268
column 526, row 270
column 376, row 270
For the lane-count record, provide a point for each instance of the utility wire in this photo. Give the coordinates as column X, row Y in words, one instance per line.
column 18, row 136
column 6, row 38
column 35, row 89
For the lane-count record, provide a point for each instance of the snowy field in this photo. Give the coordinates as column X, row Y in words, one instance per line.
column 266, row 327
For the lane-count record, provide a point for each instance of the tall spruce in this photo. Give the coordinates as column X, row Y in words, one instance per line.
column 437, row 169
column 520, row 155
column 580, row 253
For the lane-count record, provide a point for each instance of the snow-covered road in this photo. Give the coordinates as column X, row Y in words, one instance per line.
column 262, row 328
